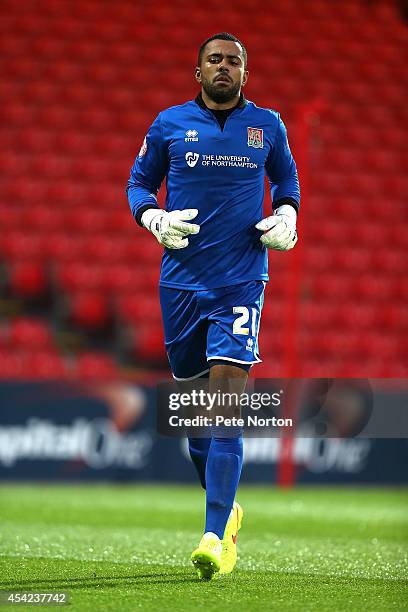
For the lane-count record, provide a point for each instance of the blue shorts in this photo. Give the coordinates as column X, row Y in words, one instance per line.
column 214, row 324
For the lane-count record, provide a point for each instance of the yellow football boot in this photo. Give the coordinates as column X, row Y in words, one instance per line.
column 207, row 557
column 229, row 543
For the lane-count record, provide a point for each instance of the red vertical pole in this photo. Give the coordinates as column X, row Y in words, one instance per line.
column 286, row 468
column 294, row 273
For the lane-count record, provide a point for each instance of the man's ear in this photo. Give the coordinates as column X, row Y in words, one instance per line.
column 246, row 75
column 197, row 74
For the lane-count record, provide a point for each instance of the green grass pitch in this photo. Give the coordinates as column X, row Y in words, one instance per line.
column 127, row 548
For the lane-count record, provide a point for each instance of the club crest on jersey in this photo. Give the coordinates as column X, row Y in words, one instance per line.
column 255, row 138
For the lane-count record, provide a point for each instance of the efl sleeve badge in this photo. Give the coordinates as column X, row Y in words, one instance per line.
column 143, row 148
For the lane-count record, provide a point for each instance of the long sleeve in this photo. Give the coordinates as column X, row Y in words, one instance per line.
column 148, row 171
column 281, row 170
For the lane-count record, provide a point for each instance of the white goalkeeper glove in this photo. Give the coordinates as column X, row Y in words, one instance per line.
column 170, row 228
column 280, row 229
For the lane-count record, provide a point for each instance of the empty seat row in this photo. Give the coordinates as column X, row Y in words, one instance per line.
column 353, row 316
column 49, row 364
column 341, row 288
column 61, row 246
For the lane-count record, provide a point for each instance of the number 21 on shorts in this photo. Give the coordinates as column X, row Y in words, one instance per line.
column 239, row 325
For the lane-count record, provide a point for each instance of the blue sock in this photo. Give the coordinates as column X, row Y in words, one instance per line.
column 199, row 448
column 223, row 471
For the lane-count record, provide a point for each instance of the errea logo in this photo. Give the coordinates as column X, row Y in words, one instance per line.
column 192, row 159
column 191, row 136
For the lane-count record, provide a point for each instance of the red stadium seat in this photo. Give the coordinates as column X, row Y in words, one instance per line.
column 390, row 261
column 45, row 365
column 12, row 365
column 66, row 247
column 78, row 276
column 139, row 308
column 86, row 220
column 106, row 248
column 351, row 260
column 121, row 222
column 318, row 315
column 18, row 244
column 36, row 139
column 89, row 310
column 45, row 218
column 149, row 344
column 96, row 366
column 10, row 218
column 373, row 287
column 334, row 287
column 31, row 333
column 27, row 279
column 121, row 278
column 272, row 342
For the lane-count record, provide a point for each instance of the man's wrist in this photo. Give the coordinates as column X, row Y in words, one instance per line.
column 149, row 215
column 286, row 200
column 289, row 213
column 142, row 210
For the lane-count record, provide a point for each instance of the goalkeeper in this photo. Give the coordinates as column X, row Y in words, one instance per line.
column 214, row 152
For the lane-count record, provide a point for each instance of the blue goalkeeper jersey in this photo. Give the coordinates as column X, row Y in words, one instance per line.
column 221, row 173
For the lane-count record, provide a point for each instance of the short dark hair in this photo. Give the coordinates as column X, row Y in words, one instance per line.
column 221, row 36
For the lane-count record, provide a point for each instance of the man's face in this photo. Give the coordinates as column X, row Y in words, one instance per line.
column 222, row 72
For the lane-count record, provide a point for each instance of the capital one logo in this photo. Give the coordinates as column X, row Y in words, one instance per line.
column 192, row 159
